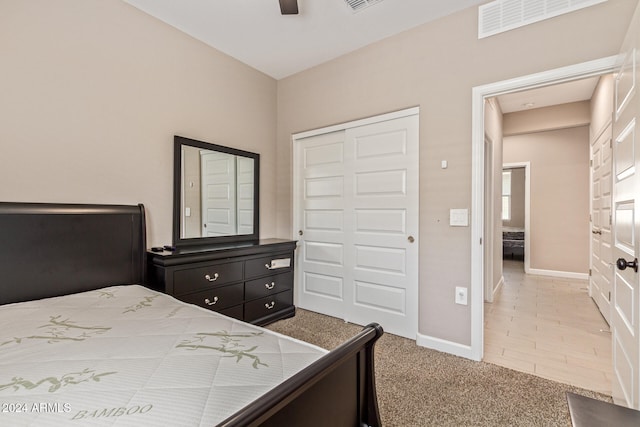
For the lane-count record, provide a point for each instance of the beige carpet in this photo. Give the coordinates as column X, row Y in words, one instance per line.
column 421, row 387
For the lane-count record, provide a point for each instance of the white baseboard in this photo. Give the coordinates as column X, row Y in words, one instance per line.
column 445, row 346
column 561, row 274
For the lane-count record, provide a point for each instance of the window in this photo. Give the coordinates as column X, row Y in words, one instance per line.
column 506, row 195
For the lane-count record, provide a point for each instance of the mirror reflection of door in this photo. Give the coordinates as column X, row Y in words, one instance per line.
column 217, row 193
column 218, row 172
column 244, row 167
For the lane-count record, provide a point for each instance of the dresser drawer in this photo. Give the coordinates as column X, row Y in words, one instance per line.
column 195, row 279
column 237, row 312
column 268, row 265
column 259, row 288
column 217, row 298
column 265, row 306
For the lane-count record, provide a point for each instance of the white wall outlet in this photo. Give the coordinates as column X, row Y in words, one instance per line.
column 461, row 295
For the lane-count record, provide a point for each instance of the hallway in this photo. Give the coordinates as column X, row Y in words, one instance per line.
column 549, row 327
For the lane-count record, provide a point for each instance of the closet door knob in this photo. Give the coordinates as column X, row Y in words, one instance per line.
column 411, row 239
column 300, row 232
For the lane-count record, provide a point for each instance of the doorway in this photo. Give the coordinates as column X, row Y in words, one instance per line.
column 478, row 223
column 544, row 295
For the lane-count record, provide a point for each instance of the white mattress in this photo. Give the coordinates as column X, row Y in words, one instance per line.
column 129, row 356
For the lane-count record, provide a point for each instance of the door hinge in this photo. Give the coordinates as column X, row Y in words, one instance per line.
column 481, row 240
column 590, row 272
column 591, row 163
column 610, row 219
column 609, row 296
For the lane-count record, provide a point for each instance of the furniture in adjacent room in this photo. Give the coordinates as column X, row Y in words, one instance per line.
column 512, row 242
column 82, row 337
column 247, row 281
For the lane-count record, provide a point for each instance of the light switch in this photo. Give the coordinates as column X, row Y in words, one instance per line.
column 187, row 212
column 444, row 164
column 459, row 217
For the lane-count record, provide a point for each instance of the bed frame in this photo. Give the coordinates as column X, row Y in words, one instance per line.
column 58, row 249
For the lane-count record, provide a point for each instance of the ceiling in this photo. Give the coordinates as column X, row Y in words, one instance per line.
column 573, row 91
column 254, row 31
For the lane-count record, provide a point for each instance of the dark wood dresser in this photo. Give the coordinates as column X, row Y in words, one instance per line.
column 250, row 281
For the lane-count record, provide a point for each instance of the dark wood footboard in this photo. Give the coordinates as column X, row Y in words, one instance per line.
column 337, row 390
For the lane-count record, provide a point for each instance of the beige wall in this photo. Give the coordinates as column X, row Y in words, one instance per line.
column 553, row 117
column 559, row 223
column 91, row 94
column 601, row 106
column 191, row 192
column 435, row 67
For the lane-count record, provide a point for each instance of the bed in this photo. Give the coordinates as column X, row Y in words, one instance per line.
column 83, row 342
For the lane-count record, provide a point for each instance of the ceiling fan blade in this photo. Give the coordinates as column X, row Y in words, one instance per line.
column 289, row 7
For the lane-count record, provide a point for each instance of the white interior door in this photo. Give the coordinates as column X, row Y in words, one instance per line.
column 321, row 269
column 384, row 217
column 218, row 193
column 244, row 178
column 601, row 219
column 357, row 208
column 625, row 300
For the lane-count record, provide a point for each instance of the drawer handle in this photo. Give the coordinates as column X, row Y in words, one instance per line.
column 211, row 279
column 270, row 305
column 269, row 267
column 270, row 285
column 209, row 302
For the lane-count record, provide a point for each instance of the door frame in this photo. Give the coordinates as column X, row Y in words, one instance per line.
column 489, row 291
column 479, row 94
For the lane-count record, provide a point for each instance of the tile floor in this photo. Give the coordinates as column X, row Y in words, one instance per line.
column 548, row 327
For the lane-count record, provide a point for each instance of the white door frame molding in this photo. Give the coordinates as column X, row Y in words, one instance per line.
column 479, row 94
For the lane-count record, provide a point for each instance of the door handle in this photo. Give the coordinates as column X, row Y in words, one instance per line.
column 622, row 264
column 596, row 231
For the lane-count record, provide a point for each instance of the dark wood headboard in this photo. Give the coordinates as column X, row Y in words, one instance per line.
column 57, row 249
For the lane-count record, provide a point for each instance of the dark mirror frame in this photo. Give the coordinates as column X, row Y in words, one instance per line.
column 178, row 241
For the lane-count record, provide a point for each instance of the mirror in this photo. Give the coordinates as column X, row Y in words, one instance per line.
column 216, row 193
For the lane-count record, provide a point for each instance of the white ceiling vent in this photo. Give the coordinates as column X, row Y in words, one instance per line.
column 504, row 15
column 358, row 5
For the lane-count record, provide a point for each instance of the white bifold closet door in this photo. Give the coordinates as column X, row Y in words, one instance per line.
column 356, row 216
